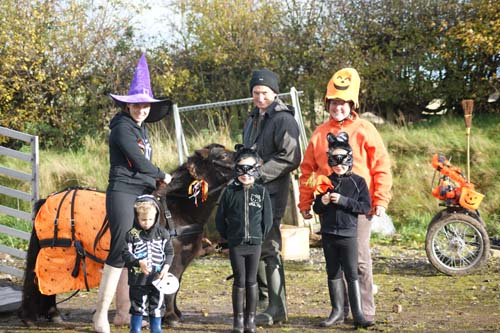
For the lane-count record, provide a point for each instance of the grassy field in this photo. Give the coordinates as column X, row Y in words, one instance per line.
column 411, row 149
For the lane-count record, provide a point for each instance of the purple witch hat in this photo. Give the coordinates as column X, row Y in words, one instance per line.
column 140, row 92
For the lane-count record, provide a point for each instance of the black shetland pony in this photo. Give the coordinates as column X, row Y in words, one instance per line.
column 211, row 164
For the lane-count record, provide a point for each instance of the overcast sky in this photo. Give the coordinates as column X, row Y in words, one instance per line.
column 156, row 22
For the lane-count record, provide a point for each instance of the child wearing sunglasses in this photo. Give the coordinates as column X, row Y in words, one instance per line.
column 244, row 218
column 347, row 197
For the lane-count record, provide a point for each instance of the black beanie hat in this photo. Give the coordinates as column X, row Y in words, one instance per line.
column 264, row 77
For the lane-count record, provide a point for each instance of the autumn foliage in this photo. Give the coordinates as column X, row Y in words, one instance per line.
column 60, row 59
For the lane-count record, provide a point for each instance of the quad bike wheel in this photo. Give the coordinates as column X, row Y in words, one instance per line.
column 457, row 243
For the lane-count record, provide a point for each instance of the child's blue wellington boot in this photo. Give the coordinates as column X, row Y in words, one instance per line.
column 135, row 324
column 155, row 324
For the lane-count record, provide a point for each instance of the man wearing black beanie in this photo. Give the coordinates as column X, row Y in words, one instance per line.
column 264, row 77
column 272, row 131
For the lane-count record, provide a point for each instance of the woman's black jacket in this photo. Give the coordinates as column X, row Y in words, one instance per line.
column 131, row 169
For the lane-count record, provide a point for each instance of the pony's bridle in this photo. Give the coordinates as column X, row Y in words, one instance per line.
column 194, row 229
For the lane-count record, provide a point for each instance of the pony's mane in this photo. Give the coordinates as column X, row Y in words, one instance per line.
column 181, row 178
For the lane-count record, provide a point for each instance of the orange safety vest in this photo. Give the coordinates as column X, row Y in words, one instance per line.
column 70, row 257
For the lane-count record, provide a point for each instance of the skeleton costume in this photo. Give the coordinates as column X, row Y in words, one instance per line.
column 155, row 246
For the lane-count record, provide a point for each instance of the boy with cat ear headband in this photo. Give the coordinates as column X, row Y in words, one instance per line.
column 244, row 217
column 339, row 207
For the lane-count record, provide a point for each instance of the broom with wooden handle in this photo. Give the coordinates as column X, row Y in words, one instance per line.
column 468, row 107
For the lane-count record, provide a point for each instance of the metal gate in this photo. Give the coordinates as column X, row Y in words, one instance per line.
column 33, row 178
column 179, row 133
column 293, row 94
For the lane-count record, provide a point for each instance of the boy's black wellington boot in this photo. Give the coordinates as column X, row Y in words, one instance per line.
column 336, row 290
column 251, row 306
column 355, row 301
column 238, row 303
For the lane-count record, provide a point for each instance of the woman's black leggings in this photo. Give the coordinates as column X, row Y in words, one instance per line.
column 120, row 213
column 341, row 254
column 245, row 261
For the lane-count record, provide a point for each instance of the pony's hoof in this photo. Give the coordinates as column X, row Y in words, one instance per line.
column 171, row 321
column 28, row 322
column 56, row 319
column 54, row 316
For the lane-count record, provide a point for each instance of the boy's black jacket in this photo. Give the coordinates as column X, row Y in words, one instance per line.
column 155, row 241
column 244, row 215
column 342, row 218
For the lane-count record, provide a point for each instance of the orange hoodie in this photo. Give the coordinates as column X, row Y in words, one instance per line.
column 371, row 160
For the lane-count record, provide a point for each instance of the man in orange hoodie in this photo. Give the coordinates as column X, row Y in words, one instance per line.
column 371, row 161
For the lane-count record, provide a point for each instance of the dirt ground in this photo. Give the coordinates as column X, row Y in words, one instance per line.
column 412, row 297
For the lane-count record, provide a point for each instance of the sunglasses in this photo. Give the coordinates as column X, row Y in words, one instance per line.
column 338, row 159
column 246, row 169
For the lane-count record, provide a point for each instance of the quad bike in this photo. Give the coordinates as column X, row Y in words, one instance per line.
column 456, row 242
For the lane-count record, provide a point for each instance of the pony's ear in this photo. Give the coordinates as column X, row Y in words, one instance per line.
column 191, row 167
column 203, row 152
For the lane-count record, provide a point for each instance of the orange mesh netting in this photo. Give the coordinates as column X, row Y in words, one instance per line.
column 55, row 264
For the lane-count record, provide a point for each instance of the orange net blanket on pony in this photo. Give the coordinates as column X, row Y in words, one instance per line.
column 67, row 224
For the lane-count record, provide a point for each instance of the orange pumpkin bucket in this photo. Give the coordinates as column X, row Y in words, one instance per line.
column 470, row 199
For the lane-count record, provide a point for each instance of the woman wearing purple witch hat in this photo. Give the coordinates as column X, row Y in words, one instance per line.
column 131, row 174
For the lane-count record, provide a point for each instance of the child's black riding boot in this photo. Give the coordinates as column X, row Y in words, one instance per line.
column 336, row 290
column 355, row 301
column 251, row 302
column 238, row 303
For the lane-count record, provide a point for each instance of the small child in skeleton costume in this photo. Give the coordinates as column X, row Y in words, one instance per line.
column 148, row 256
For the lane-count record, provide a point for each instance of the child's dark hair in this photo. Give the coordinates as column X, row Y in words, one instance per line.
column 243, row 152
